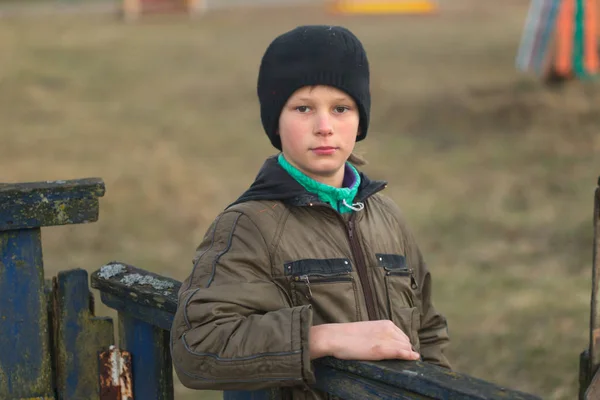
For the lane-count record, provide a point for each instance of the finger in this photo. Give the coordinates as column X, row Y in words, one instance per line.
column 405, row 349
column 391, row 349
column 403, row 354
column 403, row 345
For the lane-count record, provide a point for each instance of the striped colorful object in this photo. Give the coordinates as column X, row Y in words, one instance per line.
column 560, row 37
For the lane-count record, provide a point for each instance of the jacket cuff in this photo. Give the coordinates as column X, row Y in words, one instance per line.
column 306, row 316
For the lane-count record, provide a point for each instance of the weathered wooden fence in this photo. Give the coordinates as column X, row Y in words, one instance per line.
column 52, row 346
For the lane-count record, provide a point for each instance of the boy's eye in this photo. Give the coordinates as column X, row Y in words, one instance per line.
column 341, row 109
column 303, row 109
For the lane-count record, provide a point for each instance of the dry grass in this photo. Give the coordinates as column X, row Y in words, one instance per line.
column 494, row 171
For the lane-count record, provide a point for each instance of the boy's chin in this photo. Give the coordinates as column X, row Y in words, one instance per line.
column 327, row 168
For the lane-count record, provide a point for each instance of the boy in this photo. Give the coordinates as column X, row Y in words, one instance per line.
column 311, row 261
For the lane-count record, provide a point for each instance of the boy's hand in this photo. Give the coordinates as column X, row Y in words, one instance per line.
column 366, row 341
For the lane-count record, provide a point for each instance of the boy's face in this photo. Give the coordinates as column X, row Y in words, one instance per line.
column 318, row 127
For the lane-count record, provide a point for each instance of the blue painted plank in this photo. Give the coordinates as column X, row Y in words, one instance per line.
column 151, row 362
column 348, row 386
column 137, row 286
column 407, row 378
column 266, row 394
column 37, row 204
column 147, row 296
column 25, row 371
column 80, row 337
column 153, row 316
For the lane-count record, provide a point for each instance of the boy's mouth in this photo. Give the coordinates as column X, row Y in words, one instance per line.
column 324, row 150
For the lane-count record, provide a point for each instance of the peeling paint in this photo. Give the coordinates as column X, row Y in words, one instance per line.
column 115, row 375
column 108, row 271
column 157, row 284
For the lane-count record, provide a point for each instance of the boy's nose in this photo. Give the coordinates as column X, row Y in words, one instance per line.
column 323, row 125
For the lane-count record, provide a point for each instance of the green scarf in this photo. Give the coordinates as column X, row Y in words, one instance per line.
column 328, row 194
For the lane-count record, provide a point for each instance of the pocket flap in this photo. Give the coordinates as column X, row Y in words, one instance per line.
column 312, row 266
column 391, row 261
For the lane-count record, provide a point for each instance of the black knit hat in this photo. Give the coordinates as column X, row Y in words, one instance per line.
column 307, row 56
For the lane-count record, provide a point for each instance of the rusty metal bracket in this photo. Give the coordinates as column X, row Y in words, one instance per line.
column 115, row 375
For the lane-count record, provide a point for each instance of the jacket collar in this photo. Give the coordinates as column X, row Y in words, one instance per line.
column 274, row 183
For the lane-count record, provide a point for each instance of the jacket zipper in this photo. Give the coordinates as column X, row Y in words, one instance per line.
column 358, row 255
column 404, row 272
column 361, row 268
column 322, row 278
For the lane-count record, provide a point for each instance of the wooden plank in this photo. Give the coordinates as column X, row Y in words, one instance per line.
column 265, row 394
column 407, row 378
column 25, row 362
column 131, row 286
column 351, row 386
column 37, row 204
column 593, row 391
column 584, row 377
column 594, row 333
column 160, row 318
column 150, row 358
column 79, row 337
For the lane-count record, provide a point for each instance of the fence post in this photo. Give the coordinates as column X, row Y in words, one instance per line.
column 146, row 304
column 78, row 337
column 589, row 364
column 25, row 359
column 25, row 371
column 150, row 358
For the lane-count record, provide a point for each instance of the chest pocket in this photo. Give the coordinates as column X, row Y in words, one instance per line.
column 400, row 285
column 328, row 285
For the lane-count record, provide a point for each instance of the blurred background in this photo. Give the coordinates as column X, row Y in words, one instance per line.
column 494, row 169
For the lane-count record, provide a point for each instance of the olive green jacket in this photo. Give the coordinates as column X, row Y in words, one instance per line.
column 277, row 262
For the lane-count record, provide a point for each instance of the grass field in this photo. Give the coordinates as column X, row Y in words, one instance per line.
column 494, row 171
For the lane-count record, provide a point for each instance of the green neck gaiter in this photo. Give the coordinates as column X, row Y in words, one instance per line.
column 338, row 198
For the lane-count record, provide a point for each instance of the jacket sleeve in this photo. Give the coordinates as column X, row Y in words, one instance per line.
column 234, row 328
column 433, row 333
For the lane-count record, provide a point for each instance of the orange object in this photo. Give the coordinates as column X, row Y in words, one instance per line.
column 565, row 36
column 384, row 6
